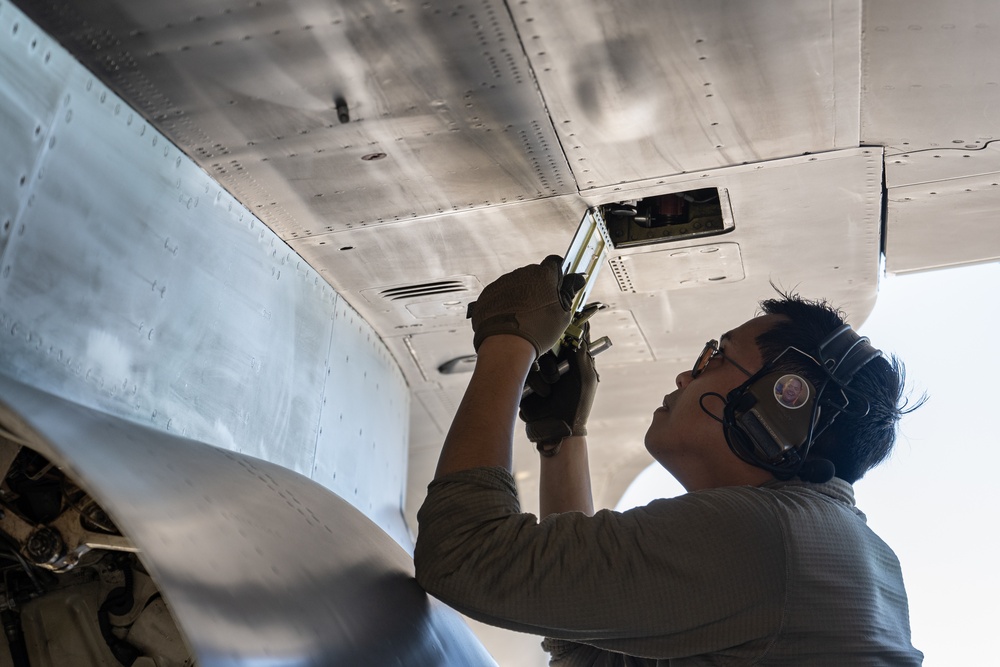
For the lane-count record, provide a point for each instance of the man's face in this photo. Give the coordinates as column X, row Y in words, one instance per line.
column 790, row 392
column 682, row 437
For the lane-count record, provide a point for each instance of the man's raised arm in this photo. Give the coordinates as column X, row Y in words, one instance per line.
column 518, row 317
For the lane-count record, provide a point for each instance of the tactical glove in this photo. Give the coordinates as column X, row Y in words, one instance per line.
column 560, row 405
column 534, row 302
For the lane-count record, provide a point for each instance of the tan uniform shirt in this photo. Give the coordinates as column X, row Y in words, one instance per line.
column 783, row 574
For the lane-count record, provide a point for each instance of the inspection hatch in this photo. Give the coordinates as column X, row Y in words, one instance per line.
column 654, row 241
column 668, row 218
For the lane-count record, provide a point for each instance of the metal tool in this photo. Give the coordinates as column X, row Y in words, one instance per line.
column 585, row 256
column 598, row 346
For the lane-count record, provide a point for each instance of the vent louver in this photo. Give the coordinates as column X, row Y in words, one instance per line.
column 422, row 290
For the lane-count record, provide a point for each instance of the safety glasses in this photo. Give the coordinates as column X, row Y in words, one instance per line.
column 711, row 351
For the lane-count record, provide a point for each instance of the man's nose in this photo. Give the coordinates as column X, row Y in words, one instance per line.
column 683, row 379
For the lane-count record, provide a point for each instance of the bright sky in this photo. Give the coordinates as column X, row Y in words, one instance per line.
column 935, row 501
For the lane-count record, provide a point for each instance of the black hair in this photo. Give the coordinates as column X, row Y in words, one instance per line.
column 863, row 435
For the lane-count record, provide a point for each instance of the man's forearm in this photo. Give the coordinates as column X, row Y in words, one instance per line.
column 482, row 432
column 565, row 479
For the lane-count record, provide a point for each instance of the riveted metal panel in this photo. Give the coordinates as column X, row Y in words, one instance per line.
column 923, row 215
column 122, row 254
column 27, row 108
column 133, row 283
column 679, row 268
column 472, row 247
column 930, row 74
column 940, row 164
column 657, row 88
column 441, row 110
column 809, row 223
column 363, row 432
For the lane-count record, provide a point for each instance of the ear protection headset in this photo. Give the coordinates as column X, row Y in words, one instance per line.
column 771, row 420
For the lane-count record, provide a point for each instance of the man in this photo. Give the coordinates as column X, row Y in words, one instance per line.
column 754, row 566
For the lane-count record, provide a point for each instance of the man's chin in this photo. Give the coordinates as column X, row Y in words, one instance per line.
column 653, row 445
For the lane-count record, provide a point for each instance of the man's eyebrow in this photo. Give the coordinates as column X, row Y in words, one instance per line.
column 725, row 337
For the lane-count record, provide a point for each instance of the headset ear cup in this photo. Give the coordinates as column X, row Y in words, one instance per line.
column 745, row 403
column 745, row 434
column 768, row 420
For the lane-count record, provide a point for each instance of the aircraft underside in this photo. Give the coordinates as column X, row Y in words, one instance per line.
column 238, row 241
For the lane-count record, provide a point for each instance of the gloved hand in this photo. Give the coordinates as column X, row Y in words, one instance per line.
column 533, row 302
column 559, row 406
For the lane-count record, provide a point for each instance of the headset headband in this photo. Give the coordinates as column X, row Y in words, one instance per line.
column 844, row 352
